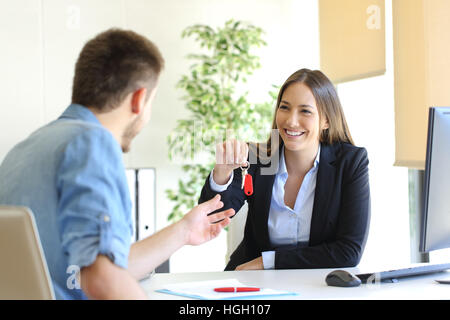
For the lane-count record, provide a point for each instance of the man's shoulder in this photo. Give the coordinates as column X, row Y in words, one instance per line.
column 91, row 142
column 48, row 143
column 78, row 133
column 72, row 128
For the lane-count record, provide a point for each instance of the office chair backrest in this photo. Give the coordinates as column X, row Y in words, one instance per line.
column 23, row 269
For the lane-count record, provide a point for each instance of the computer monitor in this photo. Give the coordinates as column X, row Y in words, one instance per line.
column 435, row 227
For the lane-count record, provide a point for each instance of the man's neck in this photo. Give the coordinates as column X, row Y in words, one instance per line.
column 112, row 121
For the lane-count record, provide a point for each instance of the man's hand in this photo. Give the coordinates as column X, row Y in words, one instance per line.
column 195, row 228
column 255, row 264
column 200, row 227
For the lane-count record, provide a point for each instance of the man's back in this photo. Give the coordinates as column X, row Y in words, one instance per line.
column 71, row 170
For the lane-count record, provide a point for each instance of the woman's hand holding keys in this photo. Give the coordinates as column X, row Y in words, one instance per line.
column 230, row 155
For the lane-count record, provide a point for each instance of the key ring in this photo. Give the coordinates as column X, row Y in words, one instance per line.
column 246, row 167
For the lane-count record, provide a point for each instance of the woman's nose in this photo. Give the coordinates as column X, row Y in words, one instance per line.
column 292, row 119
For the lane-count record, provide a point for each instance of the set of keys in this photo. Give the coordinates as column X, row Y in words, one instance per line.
column 247, row 180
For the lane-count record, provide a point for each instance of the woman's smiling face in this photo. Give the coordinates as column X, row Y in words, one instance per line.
column 297, row 118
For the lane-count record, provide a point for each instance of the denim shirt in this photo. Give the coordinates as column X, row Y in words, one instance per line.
column 70, row 173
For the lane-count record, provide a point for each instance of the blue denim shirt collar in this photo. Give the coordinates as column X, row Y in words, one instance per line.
column 78, row 112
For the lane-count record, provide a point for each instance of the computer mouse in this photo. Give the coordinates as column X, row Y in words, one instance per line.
column 341, row 278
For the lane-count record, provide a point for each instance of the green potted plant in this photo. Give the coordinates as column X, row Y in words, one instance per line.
column 217, row 108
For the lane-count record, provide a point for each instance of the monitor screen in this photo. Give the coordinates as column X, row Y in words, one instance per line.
column 435, row 228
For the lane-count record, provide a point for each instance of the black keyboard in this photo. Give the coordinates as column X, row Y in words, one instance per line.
column 401, row 273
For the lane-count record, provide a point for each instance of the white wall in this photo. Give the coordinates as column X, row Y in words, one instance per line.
column 21, row 70
column 42, row 41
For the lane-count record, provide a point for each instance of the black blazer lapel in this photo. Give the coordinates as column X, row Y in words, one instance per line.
column 263, row 196
column 324, row 187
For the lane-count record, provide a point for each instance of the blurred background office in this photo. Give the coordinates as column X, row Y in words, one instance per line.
column 41, row 40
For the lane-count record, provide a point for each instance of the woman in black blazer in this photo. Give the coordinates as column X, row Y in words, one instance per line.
column 310, row 206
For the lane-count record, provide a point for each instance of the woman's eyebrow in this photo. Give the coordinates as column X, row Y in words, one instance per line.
column 300, row 105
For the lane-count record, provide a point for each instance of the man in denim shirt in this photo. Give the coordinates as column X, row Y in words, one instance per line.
column 71, row 174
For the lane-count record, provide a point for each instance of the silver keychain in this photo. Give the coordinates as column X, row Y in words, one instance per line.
column 244, row 173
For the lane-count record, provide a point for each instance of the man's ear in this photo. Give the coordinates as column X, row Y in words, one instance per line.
column 138, row 100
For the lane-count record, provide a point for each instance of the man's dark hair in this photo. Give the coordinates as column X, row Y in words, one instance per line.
column 112, row 65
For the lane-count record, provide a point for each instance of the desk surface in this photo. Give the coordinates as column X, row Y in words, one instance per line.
column 310, row 284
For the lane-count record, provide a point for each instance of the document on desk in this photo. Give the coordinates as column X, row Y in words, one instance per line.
column 205, row 290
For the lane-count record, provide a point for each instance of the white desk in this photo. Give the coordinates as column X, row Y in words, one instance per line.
column 310, row 284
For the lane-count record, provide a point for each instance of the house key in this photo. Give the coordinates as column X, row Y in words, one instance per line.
column 247, row 180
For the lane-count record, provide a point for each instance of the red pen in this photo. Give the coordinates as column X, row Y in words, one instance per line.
column 236, row 289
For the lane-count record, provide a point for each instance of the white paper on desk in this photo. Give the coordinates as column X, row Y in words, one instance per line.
column 205, row 290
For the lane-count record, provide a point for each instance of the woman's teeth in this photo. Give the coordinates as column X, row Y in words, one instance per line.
column 294, row 133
